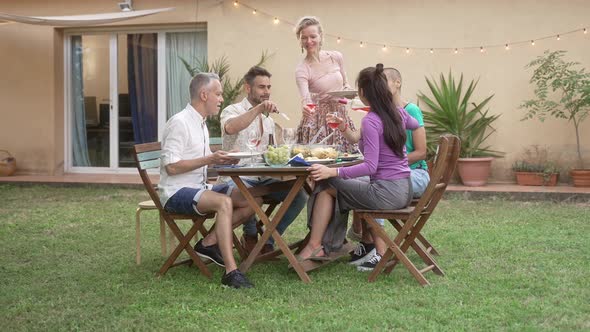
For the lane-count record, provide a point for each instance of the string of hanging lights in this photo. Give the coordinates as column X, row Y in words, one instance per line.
column 409, row 49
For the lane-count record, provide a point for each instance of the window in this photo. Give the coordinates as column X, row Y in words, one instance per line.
column 121, row 87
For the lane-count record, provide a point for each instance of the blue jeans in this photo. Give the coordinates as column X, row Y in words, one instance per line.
column 420, row 179
column 249, row 227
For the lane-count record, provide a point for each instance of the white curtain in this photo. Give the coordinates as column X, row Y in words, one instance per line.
column 191, row 46
column 79, row 143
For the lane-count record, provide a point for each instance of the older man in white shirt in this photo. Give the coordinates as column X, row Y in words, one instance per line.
column 183, row 174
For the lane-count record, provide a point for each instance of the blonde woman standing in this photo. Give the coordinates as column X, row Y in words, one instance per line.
column 317, row 74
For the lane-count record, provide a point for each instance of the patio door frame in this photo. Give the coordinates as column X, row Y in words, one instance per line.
column 113, row 33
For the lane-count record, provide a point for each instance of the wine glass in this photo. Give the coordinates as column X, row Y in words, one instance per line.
column 289, row 136
column 311, row 101
column 252, row 143
column 357, row 105
column 332, row 119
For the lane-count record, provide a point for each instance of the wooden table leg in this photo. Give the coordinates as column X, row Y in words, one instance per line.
column 270, row 226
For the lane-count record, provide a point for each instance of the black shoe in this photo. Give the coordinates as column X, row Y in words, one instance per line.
column 370, row 264
column 211, row 252
column 236, row 279
column 362, row 253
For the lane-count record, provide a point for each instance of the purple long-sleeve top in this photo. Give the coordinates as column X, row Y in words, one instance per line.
column 380, row 162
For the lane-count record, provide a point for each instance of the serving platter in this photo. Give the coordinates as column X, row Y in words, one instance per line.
column 343, row 94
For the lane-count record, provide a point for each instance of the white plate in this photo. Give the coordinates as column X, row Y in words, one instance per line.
column 321, row 161
column 343, row 94
column 239, row 155
column 351, row 157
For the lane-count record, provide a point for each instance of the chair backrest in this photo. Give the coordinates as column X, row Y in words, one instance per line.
column 444, row 166
column 147, row 156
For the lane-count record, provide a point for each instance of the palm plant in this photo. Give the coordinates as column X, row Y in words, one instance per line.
column 231, row 89
column 453, row 113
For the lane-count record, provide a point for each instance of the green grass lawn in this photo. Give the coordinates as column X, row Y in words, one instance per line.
column 68, row 263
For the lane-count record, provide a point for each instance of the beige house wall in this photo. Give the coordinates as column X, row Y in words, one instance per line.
column 31, row 59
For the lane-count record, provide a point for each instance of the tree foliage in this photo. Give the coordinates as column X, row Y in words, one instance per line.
column 562, row 91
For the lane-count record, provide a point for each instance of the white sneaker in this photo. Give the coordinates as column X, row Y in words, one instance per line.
column 362, row 253
column 370, row 264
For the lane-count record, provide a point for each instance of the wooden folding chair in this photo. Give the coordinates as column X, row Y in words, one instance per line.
column 409, row 221
column 147, row 156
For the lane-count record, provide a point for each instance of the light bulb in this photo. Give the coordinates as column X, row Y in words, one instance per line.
column 532, row 43
column 585, row 31
column 481, row 49
column 558, row 38
column 507, row 47
column 338, row 40
column 407, row 50
column 384, row 48
column 431, row 51
column 235, row 3
column 276, row 20
column 456, row 51
column 361, row 44
column 254, row 11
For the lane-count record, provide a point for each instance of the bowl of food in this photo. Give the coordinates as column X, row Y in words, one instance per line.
column 277, row 156
column 300, row 148
column 316, row 152
column 323, row 151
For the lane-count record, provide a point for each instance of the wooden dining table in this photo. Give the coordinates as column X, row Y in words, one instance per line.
column 295, row 179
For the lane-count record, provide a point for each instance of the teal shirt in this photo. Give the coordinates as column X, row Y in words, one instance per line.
column 416, row 113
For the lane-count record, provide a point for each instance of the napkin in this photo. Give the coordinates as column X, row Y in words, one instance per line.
column 298, row 160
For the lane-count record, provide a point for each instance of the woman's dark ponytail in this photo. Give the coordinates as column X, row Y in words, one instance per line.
column 373, row 82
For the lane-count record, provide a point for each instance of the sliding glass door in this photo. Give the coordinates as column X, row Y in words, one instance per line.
column 120, row 90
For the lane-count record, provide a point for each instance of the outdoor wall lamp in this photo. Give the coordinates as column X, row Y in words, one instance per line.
column 126, row 5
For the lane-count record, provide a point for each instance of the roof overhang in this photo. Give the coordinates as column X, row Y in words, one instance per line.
column 80, row 20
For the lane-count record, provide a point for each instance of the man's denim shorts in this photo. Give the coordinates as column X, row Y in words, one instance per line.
column 185, row 200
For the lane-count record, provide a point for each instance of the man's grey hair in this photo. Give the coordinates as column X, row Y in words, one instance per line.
column 199, row 82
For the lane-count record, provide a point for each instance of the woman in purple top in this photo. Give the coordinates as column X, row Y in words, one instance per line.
column 382, row 141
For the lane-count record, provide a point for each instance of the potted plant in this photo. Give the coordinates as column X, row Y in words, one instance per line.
column 534, row 169
column 451, row 111
column 231, row 91
column 7, row 163
column 562, row 90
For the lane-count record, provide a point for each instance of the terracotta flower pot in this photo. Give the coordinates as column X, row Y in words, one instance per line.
column 474, row 171
column 581, row 177
column 7, row 163
column 536, row 179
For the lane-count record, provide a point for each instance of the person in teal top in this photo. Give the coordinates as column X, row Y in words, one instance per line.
column 416, row 113
column 415, row 139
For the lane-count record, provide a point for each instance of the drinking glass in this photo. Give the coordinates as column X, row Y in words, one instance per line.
column 311, row 101
column 252, row 143
column 289, row 136
column 332, row 120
